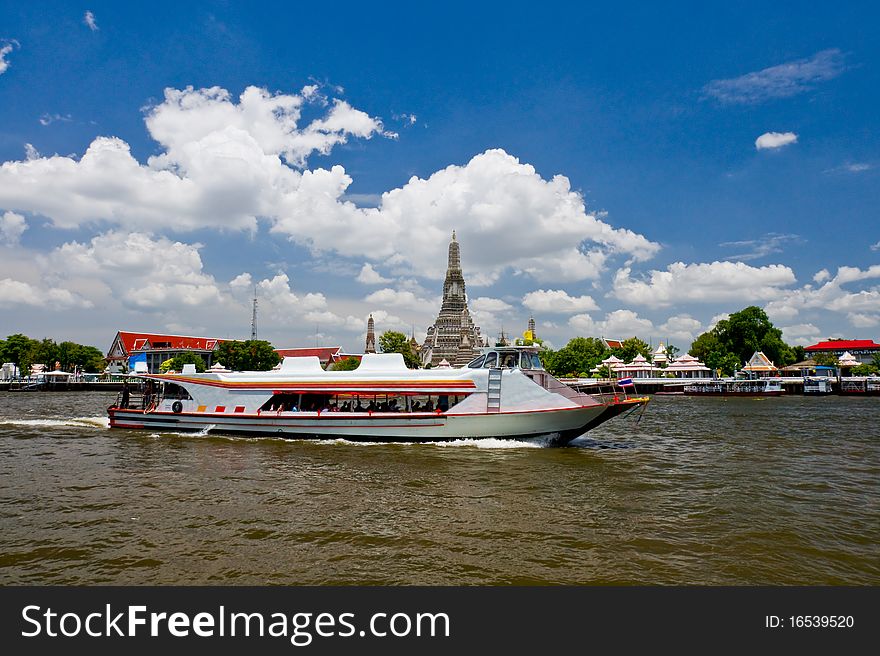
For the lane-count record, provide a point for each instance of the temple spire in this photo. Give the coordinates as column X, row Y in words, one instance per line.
column 453, row 336
column 370, row 346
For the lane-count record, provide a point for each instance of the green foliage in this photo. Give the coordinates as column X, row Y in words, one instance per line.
column 248, row 355
column 825, row 360
column 576, row 358
column 726, row 363
column 176, row 363
column 346, row 364
column 17, row 348
column 671, row 351
column 630, row 348
column 735, row 339
column 604, row 372
column 799, row 354
column 865, row 369
column 392, row 341
column 875, row 361
column 24, row 352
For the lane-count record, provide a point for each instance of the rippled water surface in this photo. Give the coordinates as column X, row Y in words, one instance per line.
column 700, row 491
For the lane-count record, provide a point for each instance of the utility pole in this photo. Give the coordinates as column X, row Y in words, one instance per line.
column 254, row 316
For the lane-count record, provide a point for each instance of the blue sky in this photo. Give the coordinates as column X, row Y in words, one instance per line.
column 613, row 171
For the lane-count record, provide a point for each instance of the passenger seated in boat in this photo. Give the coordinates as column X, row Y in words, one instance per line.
column 359, row 407
column 371, row 406
column 392, row 406
column 416, row 406
column 429, row 406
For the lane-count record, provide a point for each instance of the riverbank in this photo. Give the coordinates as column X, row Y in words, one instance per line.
column 73, row 386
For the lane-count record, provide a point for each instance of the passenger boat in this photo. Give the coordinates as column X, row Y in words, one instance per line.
column 860, row 386
column 814, row 386
column 750, row 387
column 503, row 393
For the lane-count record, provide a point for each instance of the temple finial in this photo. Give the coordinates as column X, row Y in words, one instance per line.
column 453, row 235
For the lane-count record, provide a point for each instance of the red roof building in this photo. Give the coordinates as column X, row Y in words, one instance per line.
column 155, row 348
column 325, row 354
column 862, row 349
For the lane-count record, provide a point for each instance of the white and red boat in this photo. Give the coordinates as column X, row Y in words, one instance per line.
column 504, row 393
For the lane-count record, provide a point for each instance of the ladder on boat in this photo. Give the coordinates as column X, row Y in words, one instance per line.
column 493, row 398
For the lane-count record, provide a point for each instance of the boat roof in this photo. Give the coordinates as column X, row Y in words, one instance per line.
column 377, row 373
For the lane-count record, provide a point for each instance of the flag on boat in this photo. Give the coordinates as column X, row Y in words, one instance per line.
column 626, row 382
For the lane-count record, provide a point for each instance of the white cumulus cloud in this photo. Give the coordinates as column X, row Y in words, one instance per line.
column 12, row 226
column 558, row 301
column 17, row 292
column 702, row 283
column 863, row 320
column 771, row 140
column 681, row 329
column 142, row 271
column 388, row 297
column 620, row 324
column 369, row 276
column 223, row 163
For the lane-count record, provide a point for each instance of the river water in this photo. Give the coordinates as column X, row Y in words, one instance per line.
column 699, row 491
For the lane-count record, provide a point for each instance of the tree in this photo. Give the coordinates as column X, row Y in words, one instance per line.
column 346, row 364
column 576, row 358
column 248, row 355
column 176, row 363
column 726, row 363
column 671, row 351
column 738, row 337
column 799, row 353
column 45, row 352
column 864, row 370
column 87, row 358
column 825, row 359
column 17, row 349
column 392, row 341
column 630, row 348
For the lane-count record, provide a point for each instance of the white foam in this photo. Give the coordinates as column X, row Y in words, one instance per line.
column 478, row 443
column 79, row 422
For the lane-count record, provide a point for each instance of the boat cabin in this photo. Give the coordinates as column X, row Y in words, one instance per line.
column 508, row 357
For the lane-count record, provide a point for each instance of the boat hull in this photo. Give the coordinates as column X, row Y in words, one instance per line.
column 559, row 425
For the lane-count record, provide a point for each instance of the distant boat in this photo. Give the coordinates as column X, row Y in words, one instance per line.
column 814, row 386
column 504, row 393
column 751, row 387
column 866, row 386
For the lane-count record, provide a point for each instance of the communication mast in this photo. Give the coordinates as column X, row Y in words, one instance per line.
column 254, row 316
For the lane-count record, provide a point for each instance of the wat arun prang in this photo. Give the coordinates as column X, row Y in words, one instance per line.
column 453, row 337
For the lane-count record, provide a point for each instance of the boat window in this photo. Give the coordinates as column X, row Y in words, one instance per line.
column 173, row 391
column 536, row 362
column 509, row 361
column 477, row 363
column 491, row 360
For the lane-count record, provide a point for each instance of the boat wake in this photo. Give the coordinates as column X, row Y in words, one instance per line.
column 73, row 422
column 477, row 443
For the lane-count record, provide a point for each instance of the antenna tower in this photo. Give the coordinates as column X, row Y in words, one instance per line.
column 254, row 316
